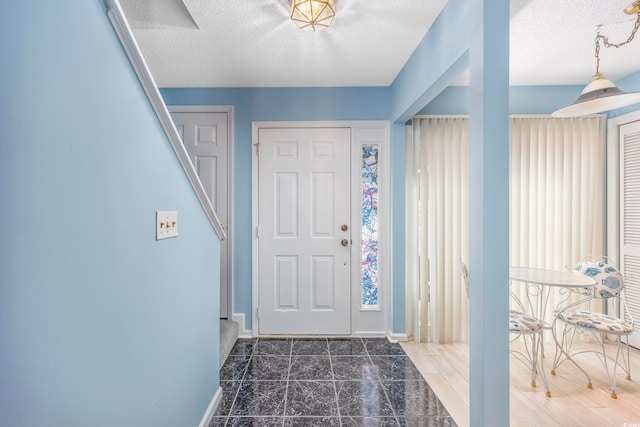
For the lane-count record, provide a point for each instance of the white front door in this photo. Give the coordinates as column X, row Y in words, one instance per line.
column 304, row 232
column 205, row 135
column 630, row 219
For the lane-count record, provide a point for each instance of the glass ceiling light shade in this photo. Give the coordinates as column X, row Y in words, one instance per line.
column 312, row 13
column 602, row 94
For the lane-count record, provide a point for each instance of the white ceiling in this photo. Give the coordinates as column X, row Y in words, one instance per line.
column 241, row 43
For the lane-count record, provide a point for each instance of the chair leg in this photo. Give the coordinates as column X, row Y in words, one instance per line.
column 533, row 358
column 563, row 343
column 530, row 357
column 626, row 362
column 612, row 378
column 537, row 366
column 564, row 346
column 602, row 356
column 626, row 365
column 538, row 362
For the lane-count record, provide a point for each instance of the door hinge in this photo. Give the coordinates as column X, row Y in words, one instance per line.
column 257, row 312
column 257, row 232
column 257, row 149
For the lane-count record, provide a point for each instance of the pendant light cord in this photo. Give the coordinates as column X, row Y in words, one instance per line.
column 607, row 43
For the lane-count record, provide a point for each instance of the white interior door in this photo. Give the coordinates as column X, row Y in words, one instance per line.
column 630, row 219
column 304, row 231
column 206, row 138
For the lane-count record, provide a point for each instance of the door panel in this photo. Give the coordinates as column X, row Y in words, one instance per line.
column 304, row 199
column 205, row 138
column 630, row 219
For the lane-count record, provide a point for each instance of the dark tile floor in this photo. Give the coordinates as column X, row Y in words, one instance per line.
column 324, row 382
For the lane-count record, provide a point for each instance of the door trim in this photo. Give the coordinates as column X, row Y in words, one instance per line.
column 229, row 227
column 365, row 322
column 613, row 182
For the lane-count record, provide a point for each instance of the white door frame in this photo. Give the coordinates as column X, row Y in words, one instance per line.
column 614, row 198
column 230, row 174
column 364, row 321
column 613, row 182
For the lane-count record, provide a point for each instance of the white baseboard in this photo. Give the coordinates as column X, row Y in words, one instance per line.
column 368, row 334
column 397, row 337
column 248, row 333
column 211, row 409
column 239, row 318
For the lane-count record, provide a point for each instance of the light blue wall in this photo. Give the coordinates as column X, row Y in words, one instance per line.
column 397, row 317
column 265, row 104
column 274, row 104
column 527, row 99
column 423, row 80
column 522, row 99
column 630, row 83
column 431, row 68
column 475, row 32
column 100, row 325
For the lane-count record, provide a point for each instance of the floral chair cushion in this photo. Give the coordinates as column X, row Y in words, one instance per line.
column 523, row 324
column 597, row 321
column 609, row 280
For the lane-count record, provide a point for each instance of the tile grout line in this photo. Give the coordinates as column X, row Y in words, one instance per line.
column 384, row 390
column 333, row 380
column 286, row 392
column 244, row 373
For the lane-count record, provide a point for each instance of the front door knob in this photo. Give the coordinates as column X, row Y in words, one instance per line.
column 344, row 242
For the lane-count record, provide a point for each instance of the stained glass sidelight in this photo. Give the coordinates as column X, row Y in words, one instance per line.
column 369, row 225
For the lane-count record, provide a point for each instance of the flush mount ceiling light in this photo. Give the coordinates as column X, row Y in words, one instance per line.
column 312, row 13
column 602, row 94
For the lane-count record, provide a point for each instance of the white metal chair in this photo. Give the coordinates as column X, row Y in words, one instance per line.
column 580, row 321
column 521, row 325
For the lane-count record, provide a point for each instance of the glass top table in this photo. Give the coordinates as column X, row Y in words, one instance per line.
column 541, row 276
column 539, row 283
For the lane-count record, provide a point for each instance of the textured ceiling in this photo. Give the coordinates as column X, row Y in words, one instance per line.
column 552, row 41
column 254, row 43
column 242, row 43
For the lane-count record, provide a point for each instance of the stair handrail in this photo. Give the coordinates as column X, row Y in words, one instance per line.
column 128, row 41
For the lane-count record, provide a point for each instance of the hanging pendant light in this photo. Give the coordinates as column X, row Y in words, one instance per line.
column 602, row 94
column 312, row 13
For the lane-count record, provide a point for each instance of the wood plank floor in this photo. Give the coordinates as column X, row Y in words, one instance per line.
column 446, row 369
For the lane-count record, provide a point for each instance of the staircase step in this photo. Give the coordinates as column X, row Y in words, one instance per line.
column 228, row 337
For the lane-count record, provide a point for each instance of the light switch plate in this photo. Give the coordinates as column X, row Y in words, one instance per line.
column 166, row 224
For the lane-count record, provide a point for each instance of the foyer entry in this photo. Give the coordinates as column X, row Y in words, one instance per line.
column 321, row 247
column 304, row 233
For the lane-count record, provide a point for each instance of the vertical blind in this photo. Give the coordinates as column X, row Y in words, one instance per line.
column 557, row 206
